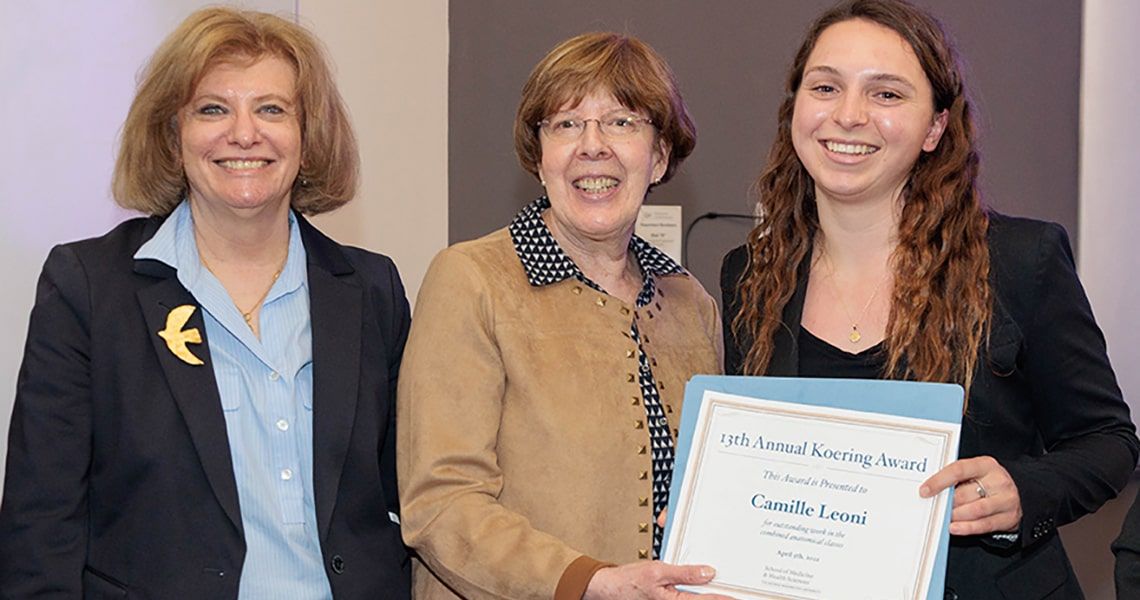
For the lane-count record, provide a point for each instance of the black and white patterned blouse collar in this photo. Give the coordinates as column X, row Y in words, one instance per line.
column 545, row 262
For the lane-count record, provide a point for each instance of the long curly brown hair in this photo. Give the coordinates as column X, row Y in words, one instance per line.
column 940, row 306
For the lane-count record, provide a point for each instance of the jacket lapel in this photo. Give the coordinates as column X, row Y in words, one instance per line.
column 194, row 387
column 785, row 343
column 335, row 305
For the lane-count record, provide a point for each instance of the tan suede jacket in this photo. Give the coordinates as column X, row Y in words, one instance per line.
column 522, row 460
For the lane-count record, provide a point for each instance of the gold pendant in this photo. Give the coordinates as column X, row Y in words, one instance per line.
column 855, row 336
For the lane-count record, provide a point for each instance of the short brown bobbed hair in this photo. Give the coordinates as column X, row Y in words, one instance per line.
column 149, row 176
column 619, row 64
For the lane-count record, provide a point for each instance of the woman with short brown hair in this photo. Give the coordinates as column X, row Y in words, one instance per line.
column 542, row 385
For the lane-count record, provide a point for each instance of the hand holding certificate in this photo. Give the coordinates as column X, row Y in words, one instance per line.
column 808, row 488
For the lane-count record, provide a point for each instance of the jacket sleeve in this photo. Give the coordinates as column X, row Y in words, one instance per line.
column 43, row 519
column 1127, row 551
column 1090, row 445
column 450, row 402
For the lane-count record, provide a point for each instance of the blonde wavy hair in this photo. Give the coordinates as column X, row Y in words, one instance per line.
column 149, row 176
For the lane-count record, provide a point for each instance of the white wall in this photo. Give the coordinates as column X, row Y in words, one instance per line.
column 392, row 63
column 1109, row 250
column 68, row 76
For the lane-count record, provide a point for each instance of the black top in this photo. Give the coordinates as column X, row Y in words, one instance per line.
column 1044, row 403
column 820, row 359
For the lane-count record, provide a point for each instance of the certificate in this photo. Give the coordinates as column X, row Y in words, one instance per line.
column 808, row 488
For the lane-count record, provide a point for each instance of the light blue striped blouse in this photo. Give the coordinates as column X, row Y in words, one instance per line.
column 266, row 387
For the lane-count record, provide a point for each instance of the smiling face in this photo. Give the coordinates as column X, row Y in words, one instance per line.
column 240, row 137
column 863, row 113
column 595, row 183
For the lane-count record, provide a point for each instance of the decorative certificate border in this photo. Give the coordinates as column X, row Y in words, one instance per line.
column 943, row 435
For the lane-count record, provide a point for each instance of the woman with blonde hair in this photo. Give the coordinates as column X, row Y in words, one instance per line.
column 875, row 258
column 206, row 404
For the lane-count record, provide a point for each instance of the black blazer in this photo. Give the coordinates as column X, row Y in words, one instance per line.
column 1044, row 403
column 1126, row 547
column 119, row 478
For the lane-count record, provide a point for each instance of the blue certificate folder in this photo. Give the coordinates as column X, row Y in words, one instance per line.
column 931, row 401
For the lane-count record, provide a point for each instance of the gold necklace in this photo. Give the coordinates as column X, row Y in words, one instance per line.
column 855, row 334
column 247, row 314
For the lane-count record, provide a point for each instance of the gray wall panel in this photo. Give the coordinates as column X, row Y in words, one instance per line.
column 730, row 57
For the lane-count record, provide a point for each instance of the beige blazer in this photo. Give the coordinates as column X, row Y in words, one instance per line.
column 523, row 446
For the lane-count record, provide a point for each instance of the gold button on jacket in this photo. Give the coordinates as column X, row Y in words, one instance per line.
column 516, row 454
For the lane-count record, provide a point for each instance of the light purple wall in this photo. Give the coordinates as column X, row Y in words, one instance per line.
column 68, row 71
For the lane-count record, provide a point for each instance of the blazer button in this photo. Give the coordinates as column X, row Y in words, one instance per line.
column 950, row 595
column 337, row 564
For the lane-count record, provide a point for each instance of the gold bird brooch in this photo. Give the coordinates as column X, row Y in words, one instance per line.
column 177, row 338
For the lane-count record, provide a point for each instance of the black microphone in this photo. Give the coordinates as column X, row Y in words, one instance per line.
column 709, row 215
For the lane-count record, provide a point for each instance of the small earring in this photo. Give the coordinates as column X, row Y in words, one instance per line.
column 542, row 182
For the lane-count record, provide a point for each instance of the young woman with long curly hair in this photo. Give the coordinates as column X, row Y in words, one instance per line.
column 874, row 257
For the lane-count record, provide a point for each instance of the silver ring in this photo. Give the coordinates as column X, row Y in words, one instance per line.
column 981, row 489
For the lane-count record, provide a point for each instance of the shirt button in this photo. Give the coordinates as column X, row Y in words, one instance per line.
column 274, row 376
column 286, row 474
column 283, row 425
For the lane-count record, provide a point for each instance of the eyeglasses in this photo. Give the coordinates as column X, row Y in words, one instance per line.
column 614, row 125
